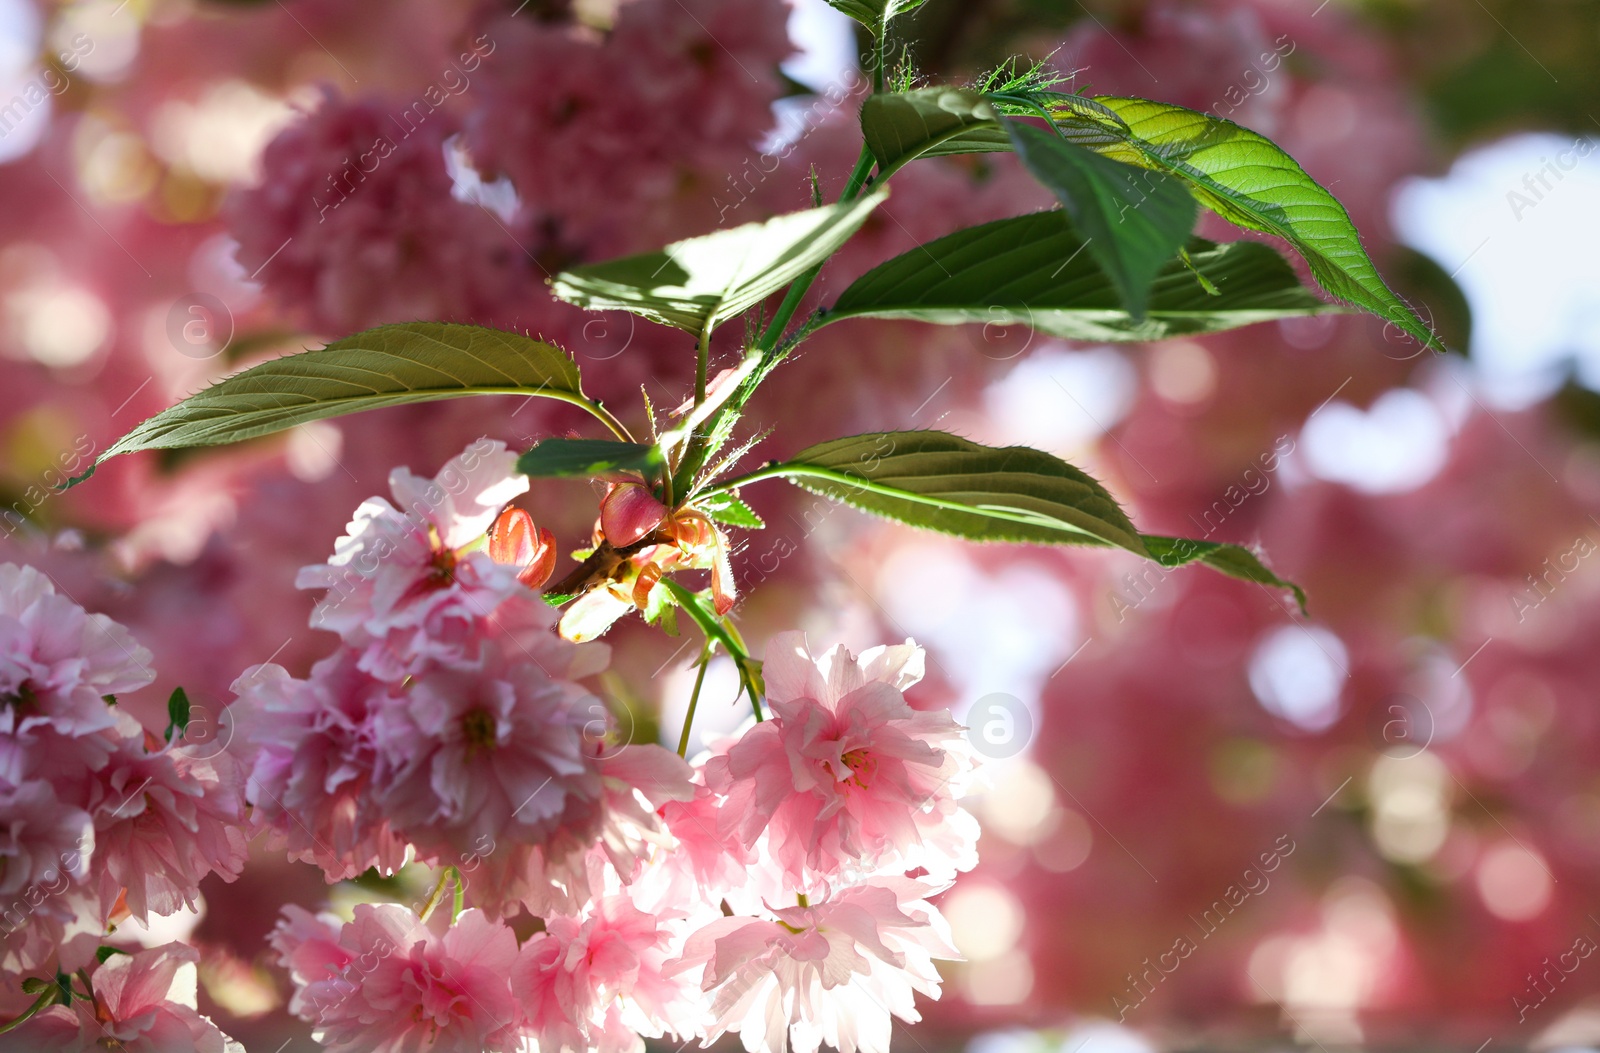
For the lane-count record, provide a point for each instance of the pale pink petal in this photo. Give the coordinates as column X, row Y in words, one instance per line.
column 790, row 671
column 846, row 778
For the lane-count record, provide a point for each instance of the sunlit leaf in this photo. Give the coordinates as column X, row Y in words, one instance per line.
column 1237, row 173
column 874, row 14
column 1251, row 181
column 929, row 122
column 943, row 482
column 1133, row 221
column 1233, row 560
column 392, row 365
column 729, row 510
column 1033, row 270
column 697, row 284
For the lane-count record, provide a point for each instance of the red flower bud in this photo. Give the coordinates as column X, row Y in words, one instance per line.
column 629, row 513
column 516, row 542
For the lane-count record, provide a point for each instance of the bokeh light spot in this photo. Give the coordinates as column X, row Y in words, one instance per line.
column 1297, row 673
column 985, row 920
column 1513, row 882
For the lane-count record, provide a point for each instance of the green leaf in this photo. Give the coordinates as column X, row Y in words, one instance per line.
column 899, row 127
column 1234, row 560
column 103, row 954
column 564, row 458
column 929, row 122
column 177, row 712
column 1249, row 180
column 1240, row 175
column 661, row 610
column 943, row 482
column 700, row 283
column 1135, row 221
column 1420, row 279
column 729, row 510
column 1032, row 270
column 392, row 365
column 875, row 14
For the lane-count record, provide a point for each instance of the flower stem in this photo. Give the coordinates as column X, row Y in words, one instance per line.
column 767, row 344
column 437, row 895
column 459, row 901
column 609, row 419
column 27, row 1014
column 702, row 354
column 718, row 631
column 802, row 284
column 880, row 46
column 694, row 699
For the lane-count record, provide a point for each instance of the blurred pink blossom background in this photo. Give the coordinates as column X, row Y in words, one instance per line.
column 1205, row 819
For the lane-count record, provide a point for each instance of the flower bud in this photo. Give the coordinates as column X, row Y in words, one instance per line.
column 629, row 513
column 516, row 542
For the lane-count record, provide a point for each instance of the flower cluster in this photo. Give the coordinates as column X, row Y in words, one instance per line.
column 839, row 816
column 139, row 1003
column 372, row 209
column 777, row 887
column 353, row 189
column 100, row 821
column 559, row 106
column 448, row 727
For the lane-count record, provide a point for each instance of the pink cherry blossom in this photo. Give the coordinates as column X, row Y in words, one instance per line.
column 525, row 625
column 638, row 782
column 347, row 195
column 846, row 778
column 833, row 971
column 308, row 946
column 402, row 586
column 315, row 762
column 559, row 105
column 598, row 983
column 50, row 928
column 143, row 1003
column 48, row 913
column 493, row 752
column 707, row 862
column 685, row 51
column 57, row 660
column 163, row 821
column 45, row 843
column 388, row 982
column 594, row 844
column 509, row 768
column 67, row 763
